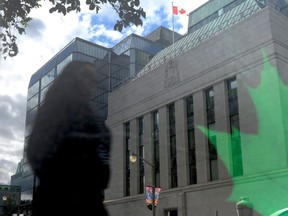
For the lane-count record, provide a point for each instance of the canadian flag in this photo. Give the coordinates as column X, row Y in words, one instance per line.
column 181, row 11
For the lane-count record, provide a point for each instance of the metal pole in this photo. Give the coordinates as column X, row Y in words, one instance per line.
column 133, row 159
column 18, row 209
column 153, row 187
column 173, row 37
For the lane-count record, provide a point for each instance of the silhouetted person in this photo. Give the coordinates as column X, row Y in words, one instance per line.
column 69, row 147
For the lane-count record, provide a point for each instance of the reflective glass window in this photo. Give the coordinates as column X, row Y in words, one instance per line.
column 212, row 145
column 48, row 78
column 155, row 117
column 28, row 129
column 33, row 90
column 61, row 65
column 141, row 59
column 235, row 128
column 127, row 146
column 32, row 102
column 232, row 97
column 27, row 183
column 213, row 157
column 82, row 57
column 43, row 92
column 191, row 140
column 123, row 46
column 31, row 115
column 173, row 147
column 26, row 195
column 210, row 106
column 141, row 154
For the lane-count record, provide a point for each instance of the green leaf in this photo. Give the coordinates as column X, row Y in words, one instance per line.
column 118, row 26
column 15, row 15
column 264, row 155
column 20, row 30
column 52, row 10
column 5, row 50
column 92, row 6
column 136, row 3
column 97, row 8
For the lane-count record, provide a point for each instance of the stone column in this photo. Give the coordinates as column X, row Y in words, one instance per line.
column 164, row 144
column 201, row 142
column 147, row 139
column 116, row 187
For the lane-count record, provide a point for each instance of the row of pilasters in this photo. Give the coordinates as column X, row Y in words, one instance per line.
column 201, row 143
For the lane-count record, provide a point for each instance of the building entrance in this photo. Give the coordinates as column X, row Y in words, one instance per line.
column 171, row 212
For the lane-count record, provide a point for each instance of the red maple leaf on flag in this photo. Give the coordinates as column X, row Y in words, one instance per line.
column 182, row 11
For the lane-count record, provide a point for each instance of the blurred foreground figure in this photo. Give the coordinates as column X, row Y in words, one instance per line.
column 69, row 147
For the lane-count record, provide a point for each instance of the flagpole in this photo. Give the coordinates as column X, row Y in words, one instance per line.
column 173, row 39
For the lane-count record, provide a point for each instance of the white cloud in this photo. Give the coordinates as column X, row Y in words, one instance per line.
column 100, row 30
column 12, row 117
column 46, row 36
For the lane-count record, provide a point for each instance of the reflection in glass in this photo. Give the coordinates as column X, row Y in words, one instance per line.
column 33, row 90
column 48, row 78
column 234, row 124
column 191, row 141
column 173, row 147
column 127, row 146
column 155, row 117
column 61, row 65
column 32, row 102
column 210, row 111
column 141, row 155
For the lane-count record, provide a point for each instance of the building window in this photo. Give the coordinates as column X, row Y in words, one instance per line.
column 33, row 90
column 210, row 111
column 127, row 161
column 236, row 150
column 62, row 64
column 43, row 93
column 141, row 154
column 191, row 141
column 172, row 135
column 33, row 102
column 48, row 78
column 171, row 212
column 155, row 116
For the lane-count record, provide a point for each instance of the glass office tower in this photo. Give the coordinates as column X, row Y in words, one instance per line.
column 114, row 66
column 40, row 81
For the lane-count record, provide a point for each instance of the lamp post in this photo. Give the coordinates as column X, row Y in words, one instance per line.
column 6, row 198
column 133, row 159
column 244, row 207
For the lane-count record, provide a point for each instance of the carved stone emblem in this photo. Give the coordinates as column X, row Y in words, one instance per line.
column 171, row 74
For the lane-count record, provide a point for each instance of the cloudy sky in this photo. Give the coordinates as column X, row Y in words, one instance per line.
column 46, row 35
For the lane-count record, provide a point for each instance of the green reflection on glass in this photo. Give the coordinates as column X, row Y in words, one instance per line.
column 264, row 155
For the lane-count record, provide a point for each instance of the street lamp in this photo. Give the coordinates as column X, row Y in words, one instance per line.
column 133, row 158
column 244, row 207
column 6, row 198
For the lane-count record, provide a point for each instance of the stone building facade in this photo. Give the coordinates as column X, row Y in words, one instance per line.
column 202, row 83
